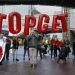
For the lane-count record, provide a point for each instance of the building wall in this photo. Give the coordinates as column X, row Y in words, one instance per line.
column 72, row 37
column 70, row 22
column 71, row 18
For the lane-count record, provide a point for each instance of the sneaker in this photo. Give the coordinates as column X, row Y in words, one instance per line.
column 31, row 65
column 35, row 65
column 17, row 60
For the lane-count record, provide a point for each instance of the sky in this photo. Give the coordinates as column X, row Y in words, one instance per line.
column 47, row 9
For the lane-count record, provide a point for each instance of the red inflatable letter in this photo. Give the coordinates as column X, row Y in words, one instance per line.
column 63, row 21
column 55, row 24
column 2, row 16
column 28, row 25
column 45, row 26
column 11, row 22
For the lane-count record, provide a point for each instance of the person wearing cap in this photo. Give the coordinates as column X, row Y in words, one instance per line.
column 33, row 44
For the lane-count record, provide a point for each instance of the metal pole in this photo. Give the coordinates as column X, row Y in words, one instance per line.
column 31, row 14
column 65, row 10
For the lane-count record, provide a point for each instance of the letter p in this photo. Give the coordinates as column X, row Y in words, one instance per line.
column 28, row 24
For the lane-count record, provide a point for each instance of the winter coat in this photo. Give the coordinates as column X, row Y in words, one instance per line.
column 15, row 44
column 25, row 44
column 58, row 44
column 32, row 41
column 63, row 52
column 52, row 42
column 66, row 42
column 8, row 44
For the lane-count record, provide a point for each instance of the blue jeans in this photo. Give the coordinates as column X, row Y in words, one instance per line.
column 25, row 52
column 15, row 50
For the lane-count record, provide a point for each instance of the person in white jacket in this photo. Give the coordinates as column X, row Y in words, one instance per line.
column 2, row 48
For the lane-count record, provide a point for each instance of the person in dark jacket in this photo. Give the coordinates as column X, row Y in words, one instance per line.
column 63, row 54
column 52, row 42
column 33, row 44
column 74, row 48
column 7, row 48
column 15, row 48
column 25, row 49
column 67, row 44
column 40, row 43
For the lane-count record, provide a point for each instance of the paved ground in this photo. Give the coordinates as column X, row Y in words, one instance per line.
column 46, row 66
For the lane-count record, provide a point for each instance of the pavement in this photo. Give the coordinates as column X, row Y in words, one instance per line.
column 46, row 66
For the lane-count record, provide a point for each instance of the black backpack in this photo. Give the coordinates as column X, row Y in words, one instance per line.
column 62, row 52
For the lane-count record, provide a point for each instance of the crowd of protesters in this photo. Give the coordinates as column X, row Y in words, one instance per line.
column 34, row 44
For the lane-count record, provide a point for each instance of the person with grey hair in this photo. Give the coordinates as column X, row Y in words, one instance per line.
column 33, row 44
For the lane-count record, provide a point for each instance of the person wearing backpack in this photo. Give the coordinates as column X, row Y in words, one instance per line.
column 63, row 54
